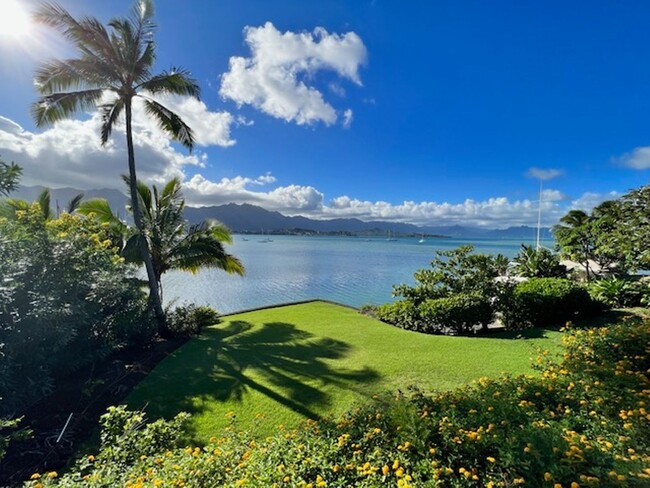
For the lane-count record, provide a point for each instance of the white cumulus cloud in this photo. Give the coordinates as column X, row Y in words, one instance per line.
column 276, row 77
column 291, row 199
column 639, row 158
column 544, row 174
column 70, row 152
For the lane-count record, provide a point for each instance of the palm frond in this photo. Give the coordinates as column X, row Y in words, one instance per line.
column 99, row 209
column 219, row 231
column 170, row 122
column 44, row 201
column 88, row 34
column 73, row 204
column 177, row 81
column 9, row 207
column 110, row 113
column 58, row 106
column 68, row 74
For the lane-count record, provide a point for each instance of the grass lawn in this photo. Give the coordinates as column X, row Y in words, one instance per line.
column 280, row 365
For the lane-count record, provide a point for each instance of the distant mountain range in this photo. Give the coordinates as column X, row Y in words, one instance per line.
column 246, row 218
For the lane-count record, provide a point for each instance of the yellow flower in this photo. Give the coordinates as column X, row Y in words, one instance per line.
column 35, row 476
column 385, row 470
column 575, row 485
column 491, row 459
column 519, row 481
column 547, row 476
column 52, row 474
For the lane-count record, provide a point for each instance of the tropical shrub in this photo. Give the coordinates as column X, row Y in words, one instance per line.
column 616, row 292
column 538, row 263
column 188, row 320
column 459, row 313
column 545, row 301
column 583, row 421
column 66, row 299
column 402, row 313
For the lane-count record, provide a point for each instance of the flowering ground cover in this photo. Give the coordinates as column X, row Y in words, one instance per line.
column 310, row 360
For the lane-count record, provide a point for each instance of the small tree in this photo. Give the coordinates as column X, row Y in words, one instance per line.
column 575, row 238
column 455, row 271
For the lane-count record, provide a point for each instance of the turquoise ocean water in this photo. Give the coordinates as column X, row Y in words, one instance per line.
column 348, row 270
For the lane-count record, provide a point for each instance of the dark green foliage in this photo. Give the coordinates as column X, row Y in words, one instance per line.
column 66, row 299
column 538, row 263
column 452, row 272
column 10, row 431
column 188, row 320
column 459, row 313
column 545, row 301
column 9, row 176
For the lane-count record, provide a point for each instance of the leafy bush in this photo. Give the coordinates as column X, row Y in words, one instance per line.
column 188, row 320
column 459, row 313
column 66, row 299
column 544, row 301
column 538, row 263
column 581, row 422
column 402, row 313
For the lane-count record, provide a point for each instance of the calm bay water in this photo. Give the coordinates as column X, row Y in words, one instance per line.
column 348, row 270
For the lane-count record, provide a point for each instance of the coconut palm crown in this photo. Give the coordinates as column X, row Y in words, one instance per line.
column 113, row 66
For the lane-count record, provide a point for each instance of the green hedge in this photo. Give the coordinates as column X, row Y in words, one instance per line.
column 458, row 313
column 545, row 301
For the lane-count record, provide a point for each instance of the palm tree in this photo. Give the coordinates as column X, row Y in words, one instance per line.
column 173, row 243
column 115, row 60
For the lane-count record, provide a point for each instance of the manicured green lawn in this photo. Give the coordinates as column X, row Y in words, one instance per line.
column 280, row 365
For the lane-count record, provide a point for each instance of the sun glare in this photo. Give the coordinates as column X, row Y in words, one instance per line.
column 14, row 20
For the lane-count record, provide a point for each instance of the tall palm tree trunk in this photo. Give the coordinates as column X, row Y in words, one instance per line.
column 154, row 288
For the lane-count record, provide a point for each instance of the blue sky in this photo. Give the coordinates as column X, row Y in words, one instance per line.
column 427, row 112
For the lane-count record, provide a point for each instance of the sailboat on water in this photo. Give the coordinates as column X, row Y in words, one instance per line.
column 421, row 241
column 392, row 239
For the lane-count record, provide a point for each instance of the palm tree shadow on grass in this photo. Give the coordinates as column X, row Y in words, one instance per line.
column 278, row 360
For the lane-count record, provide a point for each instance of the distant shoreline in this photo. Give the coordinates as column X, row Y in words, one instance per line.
column 313, row 233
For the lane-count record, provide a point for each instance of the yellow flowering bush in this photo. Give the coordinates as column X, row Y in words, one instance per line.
column 583, row 421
